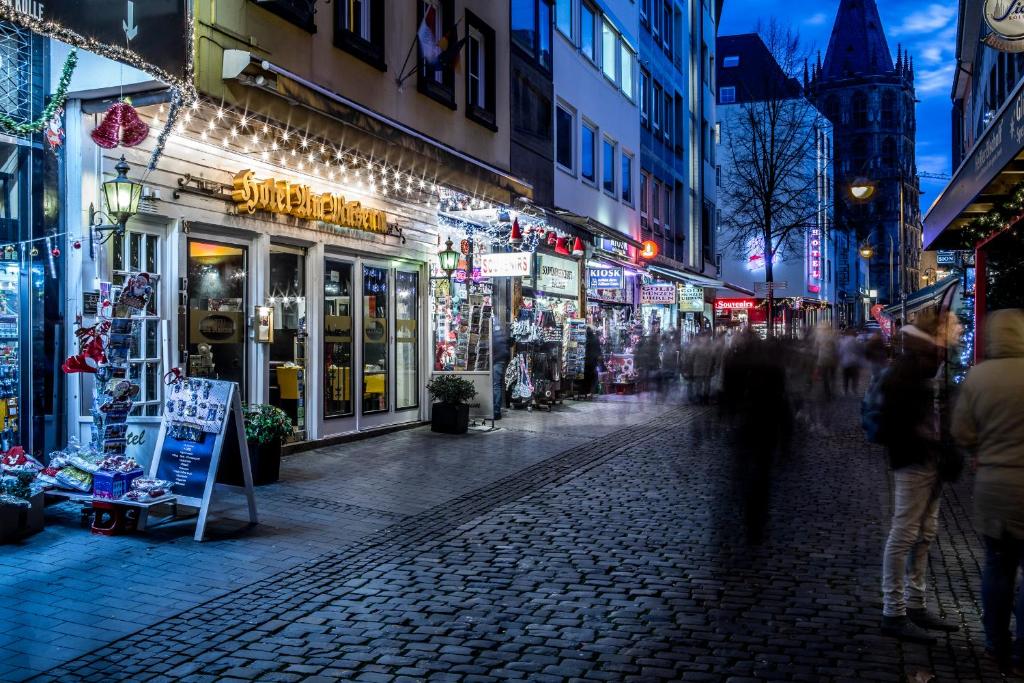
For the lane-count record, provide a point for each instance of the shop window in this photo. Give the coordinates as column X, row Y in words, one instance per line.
column 437, row 70
column 531, row 29
column 298, row 12
column 376, row 292
column 627, row 178
column 565, row 124
column 359, row 30
column 407, row 304
column 563, row 17
column 588, row 28
column 338, row 316
column 588, row 143
column 609, row 50
column 217, row 335
column 286, row 297
column 480, row 72
column 608, row 166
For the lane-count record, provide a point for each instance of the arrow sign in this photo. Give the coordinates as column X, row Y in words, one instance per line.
column 130, row 29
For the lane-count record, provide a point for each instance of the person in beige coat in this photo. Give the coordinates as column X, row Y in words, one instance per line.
column 988, row 422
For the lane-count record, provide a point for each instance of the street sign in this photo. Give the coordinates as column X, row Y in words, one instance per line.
column 769, row 286
column 156, row 30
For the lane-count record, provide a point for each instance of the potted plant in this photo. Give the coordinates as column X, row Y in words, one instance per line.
column 266, row 428
column 450, row 412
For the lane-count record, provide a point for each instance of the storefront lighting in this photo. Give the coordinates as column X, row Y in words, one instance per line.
column 122, row 197
column 449, row 259
column 649, row 249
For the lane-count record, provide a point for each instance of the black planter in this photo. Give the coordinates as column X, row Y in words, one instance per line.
column 447, row 418
column 264, row 461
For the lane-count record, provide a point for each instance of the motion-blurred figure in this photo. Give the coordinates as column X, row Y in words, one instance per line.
column 704, row 356
column 989, row 422
column 851, row 358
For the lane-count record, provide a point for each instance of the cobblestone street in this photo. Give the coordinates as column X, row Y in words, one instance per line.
column 618, row 548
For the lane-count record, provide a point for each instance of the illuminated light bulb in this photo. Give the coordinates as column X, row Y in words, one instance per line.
column 302, row 165
column 323, row 149
column 311, row 157
column 266, row 129
column 273, row 146
column 338, row 155
column 203, row 135
column 330, row 175
column 195, row 105
column 220, row 112
column 284, row 161
column 356, row 172
column 369, row 164
column 293, row 152
column 224, row 142
column 422, row 184
column 161, row 109
column 304, row 144
column 408, row 189
column 234, row 132
column 211, row 125
column 284, row 136
column 188, row 117
column 255, row 139
column 244, row 121
column 264, row 155
column 181, row 128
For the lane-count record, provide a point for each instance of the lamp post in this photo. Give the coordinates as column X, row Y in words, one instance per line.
column 866, row 252
column 122, row 196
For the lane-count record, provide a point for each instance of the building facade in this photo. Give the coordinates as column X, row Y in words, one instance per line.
column 870, row 101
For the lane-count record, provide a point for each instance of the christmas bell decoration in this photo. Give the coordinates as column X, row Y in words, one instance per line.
column 134, row 130
column 108, row 134
column 560, row 247
column 577, row 247
column 515, row 238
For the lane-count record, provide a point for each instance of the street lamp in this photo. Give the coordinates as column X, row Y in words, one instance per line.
column 867, row 251
column 449, row 259
column 122, row 197
column 862, row 189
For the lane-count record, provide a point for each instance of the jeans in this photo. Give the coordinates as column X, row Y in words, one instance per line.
column 498, row 385
column 1003, row 556
column 915, row 520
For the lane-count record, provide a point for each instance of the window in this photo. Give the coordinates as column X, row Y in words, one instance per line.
column 645, row 12
column 645, row 186
column 727, row 95
column 730, row 62
column 666, row 122
column 705, row 139
column 563, row 17
column 608, row 166
column 666, row 30
column 645, row 97
column 666, row 209
column 298, row 12
column 656, row 204
column 889, row 156
column 480, row 72
column 588, row 140
column 531, row 28
column 656, row 20
column 588, row 26
column 656, row 113
column 565, row 124
column 627, row 58
column 437, row 76
column 888, row 108
column 627, row 178
column 609, row 41
column 860, row 109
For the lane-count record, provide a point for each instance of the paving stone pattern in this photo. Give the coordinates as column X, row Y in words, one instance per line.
column 637, row 558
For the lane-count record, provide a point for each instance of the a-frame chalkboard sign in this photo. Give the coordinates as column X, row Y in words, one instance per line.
column 192, row 464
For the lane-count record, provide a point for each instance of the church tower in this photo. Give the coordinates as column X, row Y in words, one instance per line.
column 871, row 103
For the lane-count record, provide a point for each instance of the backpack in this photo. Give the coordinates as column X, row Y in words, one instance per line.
column 872, row 408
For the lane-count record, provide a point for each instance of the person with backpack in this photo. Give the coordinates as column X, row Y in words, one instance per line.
column 906, row 422
column 987, row 422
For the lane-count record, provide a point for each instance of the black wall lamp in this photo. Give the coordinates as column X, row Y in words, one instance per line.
column 122, row 197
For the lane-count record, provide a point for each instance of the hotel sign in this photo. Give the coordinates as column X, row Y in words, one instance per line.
column 281, row 196
column 1006, row 19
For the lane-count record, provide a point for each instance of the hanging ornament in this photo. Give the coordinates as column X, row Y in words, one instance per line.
column 55, row 252
column 135, row 130
column 577, row 247
column 76, row 244
column 33, row 251
column 515, row 237
column 108, row 134
column 57, row 100
column 54, row 132
column 552, row 238
column 560, row 247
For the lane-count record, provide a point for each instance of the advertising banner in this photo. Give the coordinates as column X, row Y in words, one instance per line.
column 658, row 294
column 558, row 276
column 691, row 299
column 515, row 264
column 605, row 278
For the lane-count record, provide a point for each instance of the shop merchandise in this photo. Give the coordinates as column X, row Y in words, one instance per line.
column 143, row 489
column 575, row 345
column 196, row 406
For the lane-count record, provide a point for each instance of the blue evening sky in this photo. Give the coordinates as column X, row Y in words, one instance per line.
column 927, row 29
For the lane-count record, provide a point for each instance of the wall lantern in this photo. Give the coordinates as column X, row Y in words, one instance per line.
column 648, row 249
column 122, row 197
column 449, row 259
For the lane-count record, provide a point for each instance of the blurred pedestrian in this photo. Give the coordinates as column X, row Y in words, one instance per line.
column 851, row 358
column 827, row 359
column 648, row 361
column 910, row 431
column 704, row 355
column 499, row 361
column 989, row 422
column 591, row 361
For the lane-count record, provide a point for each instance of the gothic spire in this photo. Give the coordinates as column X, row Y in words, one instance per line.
column 858, row 44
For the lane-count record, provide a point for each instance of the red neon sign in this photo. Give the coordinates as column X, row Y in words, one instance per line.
column 649, row 250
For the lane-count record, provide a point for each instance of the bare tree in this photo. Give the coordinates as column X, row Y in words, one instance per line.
column 769, row 191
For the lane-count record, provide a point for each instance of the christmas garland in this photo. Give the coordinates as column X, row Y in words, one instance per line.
column 1006, row 215
column 9, row 125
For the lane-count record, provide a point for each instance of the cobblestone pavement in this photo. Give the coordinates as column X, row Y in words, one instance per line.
column 632, row 557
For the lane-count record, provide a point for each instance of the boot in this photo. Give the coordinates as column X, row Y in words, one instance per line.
column 931, row 621
column 904, row 629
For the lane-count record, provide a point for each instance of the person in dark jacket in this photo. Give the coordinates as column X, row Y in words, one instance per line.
column 591, row 361
column 909, row 424
column 499, row 361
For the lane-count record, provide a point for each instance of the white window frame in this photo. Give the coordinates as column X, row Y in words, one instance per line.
column 656, row 104
column 605, row 140
column 592, row 127
column 645, row 200
column 479, row 88
column 594, row 42
column 627, row 65
column 608, row 31
column 571, row 35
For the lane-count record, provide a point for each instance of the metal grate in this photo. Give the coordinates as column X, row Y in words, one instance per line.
column 15, row 72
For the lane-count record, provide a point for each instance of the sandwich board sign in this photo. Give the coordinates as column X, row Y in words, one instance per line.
column 202, row 423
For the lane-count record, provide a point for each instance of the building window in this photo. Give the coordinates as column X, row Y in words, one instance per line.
column 437, row 69
column 666, row 209
column 645, row 186
column 645, row 98
column 627, row 58
column 608, row 166
column 656, row 205
column 627, row 178
column 888, row 108
column 588, row 141
column 565, row 124
column 860, row 109
column 666, row 31
column 563, row 17
column 531, row 28
column 588, row 27
column 298, row 12
column 667, row 120
column 480, row 72
column 727, row 95
column 609, row 42
column 730, row 62
column 645, row 12
column 656, row 113
column 655, row 20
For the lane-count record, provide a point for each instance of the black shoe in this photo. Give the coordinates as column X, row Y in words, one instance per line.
column 904, row 629
column 931, row 621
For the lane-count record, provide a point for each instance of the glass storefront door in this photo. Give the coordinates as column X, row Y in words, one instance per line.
column 216, row 327
column 286, row 298
column 381, row 303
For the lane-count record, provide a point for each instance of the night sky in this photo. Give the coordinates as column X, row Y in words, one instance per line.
column 927, row 29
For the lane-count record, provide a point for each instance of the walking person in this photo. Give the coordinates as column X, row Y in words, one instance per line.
column 987, row 422
column 499, row 361
column 851, row 357
column 910, row 431
column 703, row 368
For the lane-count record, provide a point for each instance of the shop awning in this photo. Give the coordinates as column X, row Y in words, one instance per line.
column 737, row 288
column 595, row 227
column 923, row 298
column 685, row 277
column 993, row 167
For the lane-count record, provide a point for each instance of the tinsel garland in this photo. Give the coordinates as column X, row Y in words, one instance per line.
column 9, row 125
column 177, row 99
column 1005, row 216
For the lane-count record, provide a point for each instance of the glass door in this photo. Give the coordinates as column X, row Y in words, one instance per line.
column 338, row 352
column 286, row 298
column 376, row 339
column 216, row 311
column 407, row 348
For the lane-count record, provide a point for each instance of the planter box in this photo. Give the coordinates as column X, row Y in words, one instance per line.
column 18, row 522
column 449, row 419
column 264, row 461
